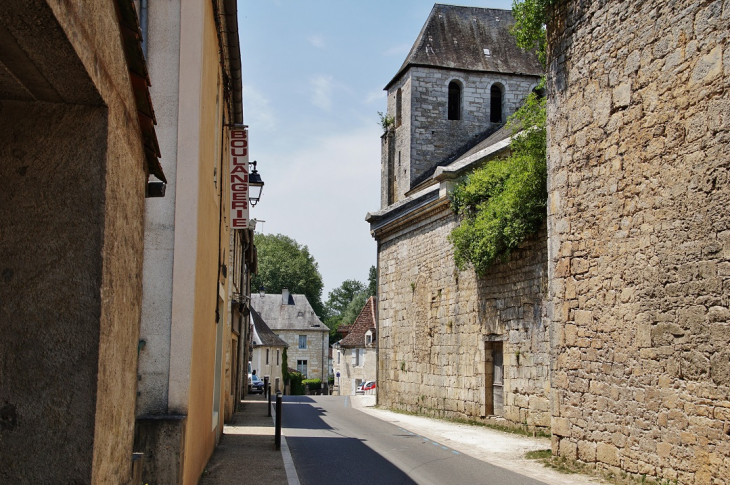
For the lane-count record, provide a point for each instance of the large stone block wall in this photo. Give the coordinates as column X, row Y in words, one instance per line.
column 639, row 230
column 433, row 321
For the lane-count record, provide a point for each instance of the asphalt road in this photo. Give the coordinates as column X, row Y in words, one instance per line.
column 332, row 443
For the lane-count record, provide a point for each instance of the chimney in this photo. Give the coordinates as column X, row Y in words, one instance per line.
column 285, row 296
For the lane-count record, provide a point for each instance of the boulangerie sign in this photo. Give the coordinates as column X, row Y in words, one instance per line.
column 238, row 151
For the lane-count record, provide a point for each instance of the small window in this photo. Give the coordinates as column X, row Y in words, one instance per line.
column 302, row 341
column 277, row 357
column 398, row 107
column 338, row 356
column 267, row 356
column 454, row 101
column 495, row 113
column 302, row 367
column 368, row 339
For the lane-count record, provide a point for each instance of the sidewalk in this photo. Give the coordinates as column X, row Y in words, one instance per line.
column 498, row 448
column 246, row 451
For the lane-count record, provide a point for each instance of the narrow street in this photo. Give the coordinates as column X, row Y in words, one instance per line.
column 332, row 442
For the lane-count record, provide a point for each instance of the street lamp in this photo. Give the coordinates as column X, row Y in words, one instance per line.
column 262, row 291
column 255, row 185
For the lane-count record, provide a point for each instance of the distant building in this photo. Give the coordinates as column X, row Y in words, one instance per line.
column 450, row 343
column 268, row 349
column 292, row 318
column 355, row 357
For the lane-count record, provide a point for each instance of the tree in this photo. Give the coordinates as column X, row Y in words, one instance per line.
column 283, row 263
column 340, row 297
column 373, row 281
column 529, row 28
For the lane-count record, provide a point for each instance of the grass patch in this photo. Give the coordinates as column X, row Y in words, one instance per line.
column 539, row 454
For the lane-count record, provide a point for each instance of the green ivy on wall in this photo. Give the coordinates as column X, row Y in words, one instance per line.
column 505, row 201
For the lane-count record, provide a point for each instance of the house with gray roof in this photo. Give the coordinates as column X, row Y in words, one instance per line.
column 452, row 343
column 268, row 348
column 291, row 318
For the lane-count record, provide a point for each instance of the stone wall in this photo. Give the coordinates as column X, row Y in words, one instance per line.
column 366, row 371
column 317, row 345
column 434, row 320
column 639, row 136
column 433, row 136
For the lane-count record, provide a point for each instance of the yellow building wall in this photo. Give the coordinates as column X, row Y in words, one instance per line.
column 201, row 436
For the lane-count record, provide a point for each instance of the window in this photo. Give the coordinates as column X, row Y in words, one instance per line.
column 358, row 357
column 454, row 101
column 302, row 341
column 267, row 356
column 277, row 357
column 495, row 113
column 302, row 367
column 398, row 106
column 338, row 356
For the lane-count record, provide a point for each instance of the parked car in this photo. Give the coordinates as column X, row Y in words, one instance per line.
column 368, row 386
column 257, row 384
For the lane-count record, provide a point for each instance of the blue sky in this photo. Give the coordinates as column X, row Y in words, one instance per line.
column 313, row 75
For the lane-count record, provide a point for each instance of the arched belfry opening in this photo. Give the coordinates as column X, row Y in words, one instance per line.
column 454, row 100
column 495, row 108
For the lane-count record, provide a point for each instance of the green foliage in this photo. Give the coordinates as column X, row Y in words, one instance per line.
column 505, row 201
column 284, row 366
column 345, row 302
column 296, row 388
column 283, row 263
column 386, row 121
column 372, row 281
column 529, row 28
column 314, row 384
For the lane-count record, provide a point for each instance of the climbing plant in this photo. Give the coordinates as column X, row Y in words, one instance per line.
column 505, row 201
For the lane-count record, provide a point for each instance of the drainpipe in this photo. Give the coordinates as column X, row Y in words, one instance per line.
column 143, row 25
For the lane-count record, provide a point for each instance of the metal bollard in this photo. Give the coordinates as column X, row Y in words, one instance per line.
column 266, row 384
column 276, row 384
column 269, row 415
column 277, row 436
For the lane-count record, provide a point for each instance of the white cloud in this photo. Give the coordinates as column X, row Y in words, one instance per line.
column 316, row 40
column 321, row 92
column 257, row 109
column 319, row 195
column 398, row 50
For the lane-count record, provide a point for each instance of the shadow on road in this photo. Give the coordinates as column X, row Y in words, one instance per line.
column 319, row 461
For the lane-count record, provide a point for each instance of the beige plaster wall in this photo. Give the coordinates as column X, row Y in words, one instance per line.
column 73, row 187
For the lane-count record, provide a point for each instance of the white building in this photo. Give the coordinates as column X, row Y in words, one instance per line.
column 268, row 350
column 355, row 357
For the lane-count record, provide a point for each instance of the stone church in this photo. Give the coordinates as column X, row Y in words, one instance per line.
column 453, row 344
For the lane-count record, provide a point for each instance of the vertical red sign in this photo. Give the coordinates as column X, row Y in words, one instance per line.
column 238, row 153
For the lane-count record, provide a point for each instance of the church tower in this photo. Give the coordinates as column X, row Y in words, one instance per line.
column 461, row 80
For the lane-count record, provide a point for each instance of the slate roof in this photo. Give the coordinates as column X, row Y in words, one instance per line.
column 264, row 333
column 456, row 37
column 296, row 315
column 365, row 321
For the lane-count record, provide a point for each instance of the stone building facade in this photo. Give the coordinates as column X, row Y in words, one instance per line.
column 639, row 231
column 451, row 343
column 293, row 320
